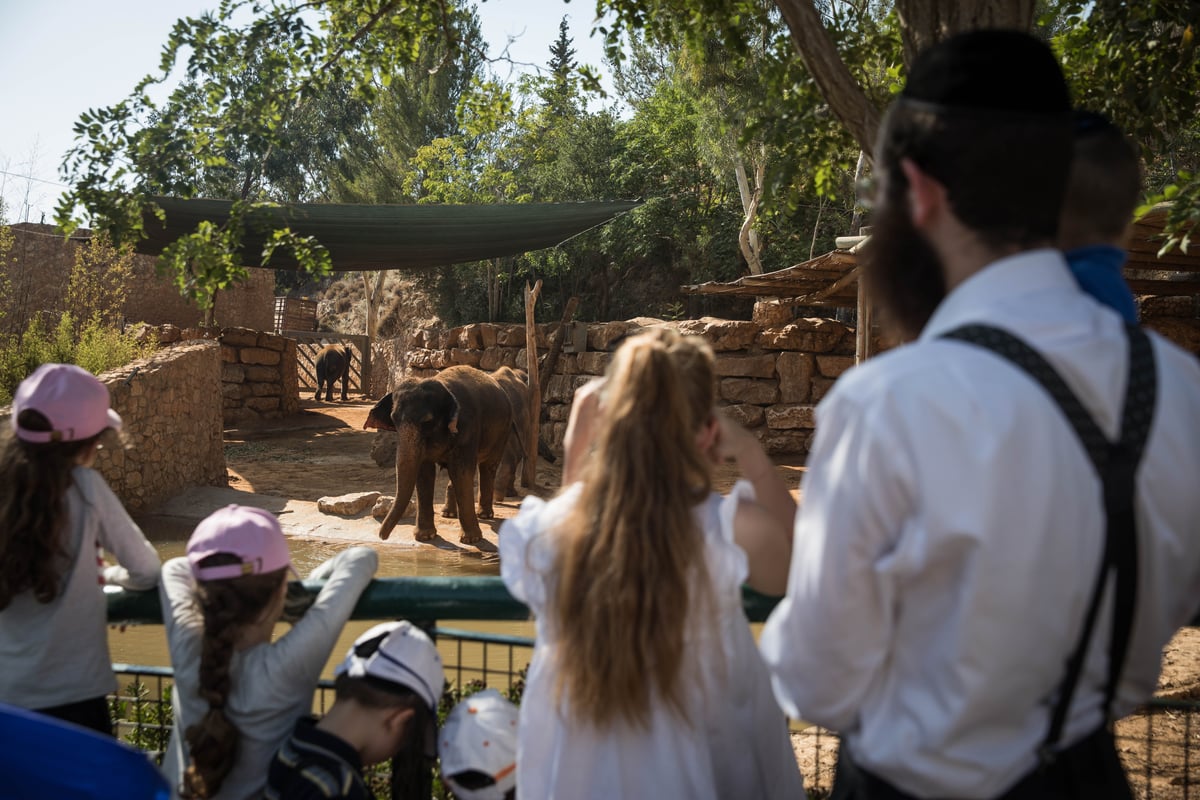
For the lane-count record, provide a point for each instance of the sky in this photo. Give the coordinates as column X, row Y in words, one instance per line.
column 59, row 58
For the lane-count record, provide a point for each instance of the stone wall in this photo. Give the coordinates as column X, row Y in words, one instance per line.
column 39, row 268
column 170, row 405
column 258, row 369
column 1176, row 318
column 770, row 377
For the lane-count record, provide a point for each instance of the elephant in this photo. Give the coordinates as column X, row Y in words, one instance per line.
column 459, row 419
column 333, row 362
column 516, row 385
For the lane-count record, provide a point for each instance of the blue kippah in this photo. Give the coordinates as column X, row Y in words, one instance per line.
column 990, row 70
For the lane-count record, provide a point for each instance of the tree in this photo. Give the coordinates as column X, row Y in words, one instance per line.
column 129, row 152
column 842, row 60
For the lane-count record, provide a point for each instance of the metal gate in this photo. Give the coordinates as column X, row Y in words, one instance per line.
column 309, row 343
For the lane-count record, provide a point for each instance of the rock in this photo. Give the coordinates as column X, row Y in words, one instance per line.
column 347, row 504
column 795, row 376
column 834, row 366
column 760, row 366
column 383, row 448
column 384, row 505
column 791, row 416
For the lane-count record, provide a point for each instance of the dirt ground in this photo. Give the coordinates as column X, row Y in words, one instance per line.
column 324, row 451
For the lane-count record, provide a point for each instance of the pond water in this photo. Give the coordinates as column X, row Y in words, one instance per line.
column 147, row 645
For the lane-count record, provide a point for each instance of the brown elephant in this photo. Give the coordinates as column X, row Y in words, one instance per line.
column 459, row 419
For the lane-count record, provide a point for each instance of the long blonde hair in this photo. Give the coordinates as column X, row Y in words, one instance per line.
column 630, row 552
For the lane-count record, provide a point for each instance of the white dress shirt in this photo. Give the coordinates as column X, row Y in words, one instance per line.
column 950, row 534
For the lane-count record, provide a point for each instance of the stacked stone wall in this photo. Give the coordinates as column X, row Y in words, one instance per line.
column 770, row 377
column 170, row 406
column 257, row 373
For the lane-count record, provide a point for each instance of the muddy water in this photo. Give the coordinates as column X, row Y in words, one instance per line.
column 147, row 645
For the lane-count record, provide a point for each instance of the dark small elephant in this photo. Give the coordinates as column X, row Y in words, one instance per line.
column 459, row 419
column 333, row 363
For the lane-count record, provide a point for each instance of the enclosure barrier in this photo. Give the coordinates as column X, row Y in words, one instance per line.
column 1156, row 745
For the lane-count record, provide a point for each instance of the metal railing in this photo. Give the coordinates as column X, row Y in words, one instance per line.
column 1158, row 744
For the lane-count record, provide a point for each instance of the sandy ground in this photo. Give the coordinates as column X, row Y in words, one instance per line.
column 324, row 451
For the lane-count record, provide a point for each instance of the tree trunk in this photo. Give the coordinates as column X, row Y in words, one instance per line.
column 751, row 196
column 373, row 285
column 821, row 58
column 924, row 23
column 556, row 344
column 529, row 474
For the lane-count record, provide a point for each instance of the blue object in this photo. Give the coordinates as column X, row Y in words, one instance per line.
column 42, row 757
column 1097, row 270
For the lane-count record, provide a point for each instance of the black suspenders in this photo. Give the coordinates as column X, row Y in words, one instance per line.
column 1116, row 462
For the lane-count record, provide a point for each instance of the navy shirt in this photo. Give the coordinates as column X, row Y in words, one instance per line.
column 314, row 765
column 1097, row 270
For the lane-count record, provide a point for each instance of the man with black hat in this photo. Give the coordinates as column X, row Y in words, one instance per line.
column 998, row 533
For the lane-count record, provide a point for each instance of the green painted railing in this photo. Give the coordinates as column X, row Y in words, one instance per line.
column 483, row 598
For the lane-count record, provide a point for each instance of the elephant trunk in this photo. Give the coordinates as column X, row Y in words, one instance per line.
column 408, row 459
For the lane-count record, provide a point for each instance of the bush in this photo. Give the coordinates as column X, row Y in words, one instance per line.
column 97, row 348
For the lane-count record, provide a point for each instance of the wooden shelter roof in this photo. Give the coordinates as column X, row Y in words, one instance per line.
column 832, row 279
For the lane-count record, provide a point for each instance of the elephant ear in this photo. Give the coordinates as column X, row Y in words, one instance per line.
column 453, row 424
column 380, row 416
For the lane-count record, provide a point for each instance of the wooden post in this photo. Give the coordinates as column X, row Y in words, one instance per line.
column 529, row 474
column 556, row 344
column 862, row 332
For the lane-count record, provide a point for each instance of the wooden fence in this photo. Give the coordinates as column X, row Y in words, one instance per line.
column 309, row 343
column 295, row 314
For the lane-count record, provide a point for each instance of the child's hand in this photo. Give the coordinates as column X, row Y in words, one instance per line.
column 581, row 427
column 733, row 443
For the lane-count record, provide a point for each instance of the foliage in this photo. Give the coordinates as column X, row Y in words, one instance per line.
column 1139, row 64
column 152, row 717
column 98, row 284
column 249, row 86
column 394, row 101
column 92, row 345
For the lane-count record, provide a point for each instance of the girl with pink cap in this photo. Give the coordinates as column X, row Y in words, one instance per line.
column 238, row 693
column 57, row 518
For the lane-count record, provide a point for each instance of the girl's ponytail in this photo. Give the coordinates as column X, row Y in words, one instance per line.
column 631, row 555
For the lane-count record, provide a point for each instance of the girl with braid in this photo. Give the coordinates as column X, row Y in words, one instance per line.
column 645, row 679
column 238, row 693
column 57, row 516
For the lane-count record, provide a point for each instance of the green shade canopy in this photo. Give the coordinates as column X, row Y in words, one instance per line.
column 363, row 237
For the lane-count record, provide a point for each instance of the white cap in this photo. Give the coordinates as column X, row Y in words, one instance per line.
column 400, row 653
column 480, row 735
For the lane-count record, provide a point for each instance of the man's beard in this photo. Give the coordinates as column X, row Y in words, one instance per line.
column 901, row 272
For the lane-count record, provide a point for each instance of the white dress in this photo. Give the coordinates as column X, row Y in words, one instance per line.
column 737, row 745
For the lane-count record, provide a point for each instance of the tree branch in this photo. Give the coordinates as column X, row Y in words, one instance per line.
column 820, row 56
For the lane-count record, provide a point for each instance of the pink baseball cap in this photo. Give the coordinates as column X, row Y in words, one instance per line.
column 251, row 534
column 74, row 402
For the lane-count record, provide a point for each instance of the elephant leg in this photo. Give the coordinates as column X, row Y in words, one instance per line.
column 345, row 383
column 506, row 480
column 487, row 484
column 426, row 530
column 450, row 509
column 463, row 480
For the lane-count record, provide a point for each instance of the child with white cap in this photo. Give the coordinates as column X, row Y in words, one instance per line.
column 388, row 688
column 57, row 517
column 478, row 748
column 237, row 693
